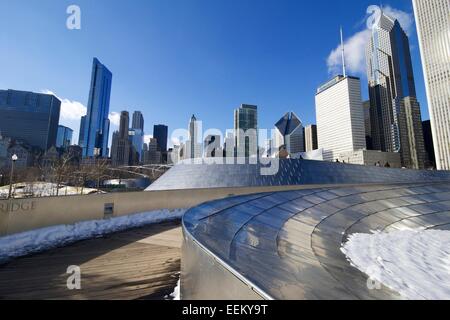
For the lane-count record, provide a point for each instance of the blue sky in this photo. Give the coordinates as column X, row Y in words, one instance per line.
column 173, row 58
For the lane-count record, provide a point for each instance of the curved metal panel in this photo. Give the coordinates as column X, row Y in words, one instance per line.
column 289, row 172
column 287, row 244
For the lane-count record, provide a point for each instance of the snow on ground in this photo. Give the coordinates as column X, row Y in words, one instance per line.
column 42, row 189
column 414, row 263
column 176, row 292
column 39, row 240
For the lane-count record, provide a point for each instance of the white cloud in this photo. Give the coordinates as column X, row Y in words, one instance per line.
column 114, row 117
column 354, row 54
column 405, row 19
column 355, row 45
column 70, row 110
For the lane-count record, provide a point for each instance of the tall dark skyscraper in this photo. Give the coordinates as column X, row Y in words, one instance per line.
column 30, row 117
column 160, row 133
column 394, row 110
column 96, row 124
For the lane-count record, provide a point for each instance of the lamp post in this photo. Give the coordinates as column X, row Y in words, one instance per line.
column 14, row 159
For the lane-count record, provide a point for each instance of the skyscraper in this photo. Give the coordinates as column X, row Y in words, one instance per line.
column 64, row 138
column 340, row 117
column 433, row 29
column 30, row 117
column 246, row 130
column 193, row 146
column 137, row 133
column 391, row 90
column 96, row 124
column 121, row 148
column 138, row 120
column 81, row 134
column 311, row 138
column 290, row 133
column 160, row 133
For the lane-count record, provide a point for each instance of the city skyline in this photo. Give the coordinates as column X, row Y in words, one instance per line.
column 286, row 90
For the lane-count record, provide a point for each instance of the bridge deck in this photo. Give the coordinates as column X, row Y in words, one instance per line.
column 138, row 264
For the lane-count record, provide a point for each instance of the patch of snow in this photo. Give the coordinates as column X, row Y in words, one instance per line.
column 39, row 240
column 43, row 189
column 414, row 263
column 175, row 295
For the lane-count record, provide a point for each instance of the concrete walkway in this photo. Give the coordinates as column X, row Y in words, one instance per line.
column 137, row 264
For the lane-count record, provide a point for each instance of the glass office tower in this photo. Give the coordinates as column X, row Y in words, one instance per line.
column 394, row 109
column 64, row 138
column 246, row 130
column 137, row 132
column 30, row 117
column 96, row 124
column 160, row 133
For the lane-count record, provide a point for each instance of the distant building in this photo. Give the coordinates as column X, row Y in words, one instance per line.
column 193, row 146
column 160, row 133
column 82, row 130
column 311, row 138
column 246, row 130
column 174, row 155
column 64, row 138
column 137, row 133
column 429, row 144
column 433, row 25
column 96, row 123
column 340, row 117
column 50, row 157
column 25, row 155
column 412, row 144
column 136, row 137
column 371, row 158
column 121, row 147
column 75, row 153
column 138, row 121
column 30, row 117
column 152, row 155
column 396, row 124
column 290, row 133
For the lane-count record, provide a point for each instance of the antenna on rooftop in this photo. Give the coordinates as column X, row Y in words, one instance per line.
column 343, row 54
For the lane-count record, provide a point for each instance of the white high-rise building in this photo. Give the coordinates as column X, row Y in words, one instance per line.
column 340, row 117
column 433, row 29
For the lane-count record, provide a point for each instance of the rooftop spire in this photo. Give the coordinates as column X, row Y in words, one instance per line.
column 344, row 71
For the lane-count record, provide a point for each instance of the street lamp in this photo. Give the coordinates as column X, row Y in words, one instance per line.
column 14, row 158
